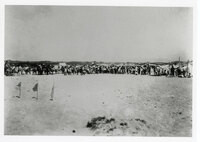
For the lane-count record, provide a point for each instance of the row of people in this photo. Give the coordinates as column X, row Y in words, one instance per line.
column 146, row 69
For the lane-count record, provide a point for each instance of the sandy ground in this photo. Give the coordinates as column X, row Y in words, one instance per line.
column 139, row 105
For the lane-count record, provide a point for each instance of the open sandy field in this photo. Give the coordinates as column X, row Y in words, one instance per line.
column 99, row 105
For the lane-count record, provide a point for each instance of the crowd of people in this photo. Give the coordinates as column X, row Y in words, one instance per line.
column 176, row 70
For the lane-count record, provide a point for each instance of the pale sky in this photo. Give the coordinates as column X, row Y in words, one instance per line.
column 122, row 34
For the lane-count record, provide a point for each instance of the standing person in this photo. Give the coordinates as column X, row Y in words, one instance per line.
column 172, row 70
column 151, row 71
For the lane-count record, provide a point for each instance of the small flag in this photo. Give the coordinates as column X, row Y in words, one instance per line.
column 19, row 84
column 35, row 88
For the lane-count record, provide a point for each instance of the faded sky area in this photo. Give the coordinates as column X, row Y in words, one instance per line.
column 72, row 33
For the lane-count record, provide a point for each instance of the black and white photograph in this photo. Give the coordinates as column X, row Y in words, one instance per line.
column 98, row 71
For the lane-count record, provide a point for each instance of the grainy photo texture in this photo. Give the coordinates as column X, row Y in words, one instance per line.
column 98, row 71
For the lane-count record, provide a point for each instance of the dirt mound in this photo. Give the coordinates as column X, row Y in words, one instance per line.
column 107, row 126
column 110, row 126
column 100, row 122
column 104, row 126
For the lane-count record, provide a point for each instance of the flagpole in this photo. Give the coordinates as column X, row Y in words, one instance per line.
column 19, row 88
column 20, row 91
column 37, row 90
column 52, row 91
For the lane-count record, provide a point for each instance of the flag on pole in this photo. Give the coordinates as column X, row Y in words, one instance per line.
column 35, row 88
column 52, row 92
column 19, row 87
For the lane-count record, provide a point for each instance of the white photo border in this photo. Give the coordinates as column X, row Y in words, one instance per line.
column 140, row 3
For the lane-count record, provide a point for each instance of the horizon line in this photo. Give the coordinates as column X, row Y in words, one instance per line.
column 99, row 61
